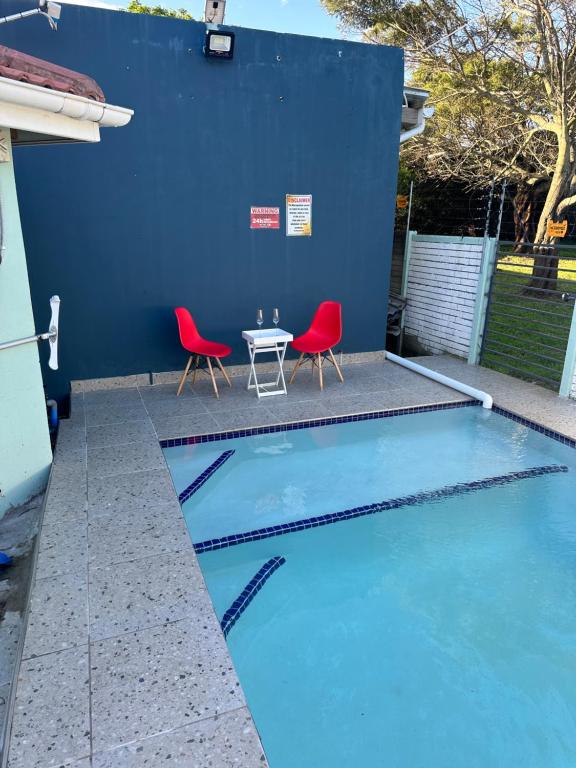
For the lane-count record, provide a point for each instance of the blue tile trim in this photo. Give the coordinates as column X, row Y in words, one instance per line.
column 206, row 475
column 535, row 426
column 248, row 593
column 176, row 441
column 370, row 509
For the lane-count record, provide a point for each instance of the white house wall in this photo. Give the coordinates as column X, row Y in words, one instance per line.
column 25, row 453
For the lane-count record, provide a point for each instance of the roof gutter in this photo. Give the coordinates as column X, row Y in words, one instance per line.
column 66, row 104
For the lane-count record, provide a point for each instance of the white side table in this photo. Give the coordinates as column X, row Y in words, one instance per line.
column 267, row 340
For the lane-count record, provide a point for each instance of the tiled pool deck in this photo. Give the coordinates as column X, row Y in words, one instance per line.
column 124, row 663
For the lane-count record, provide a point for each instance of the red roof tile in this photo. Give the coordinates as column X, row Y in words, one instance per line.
column 28, row 69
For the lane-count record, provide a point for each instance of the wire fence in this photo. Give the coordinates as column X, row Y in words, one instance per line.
column 532, row 288
column 529, row 312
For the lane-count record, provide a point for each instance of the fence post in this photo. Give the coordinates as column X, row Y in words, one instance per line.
column 481, row 303
column 569, row 360
column 406, row 266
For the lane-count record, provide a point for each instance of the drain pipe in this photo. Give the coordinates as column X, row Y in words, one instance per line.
column 459, row 386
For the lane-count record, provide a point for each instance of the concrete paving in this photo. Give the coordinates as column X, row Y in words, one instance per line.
column 124, row 664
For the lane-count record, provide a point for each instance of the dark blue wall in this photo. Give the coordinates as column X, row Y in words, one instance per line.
column 157, row 214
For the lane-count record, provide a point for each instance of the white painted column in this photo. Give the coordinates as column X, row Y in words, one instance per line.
column 25, row 453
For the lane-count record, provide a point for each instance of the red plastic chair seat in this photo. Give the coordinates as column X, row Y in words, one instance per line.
column 312, row 343
column 208, row 348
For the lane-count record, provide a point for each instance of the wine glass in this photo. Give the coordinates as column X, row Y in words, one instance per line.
column 275, row 317
column 259, row 318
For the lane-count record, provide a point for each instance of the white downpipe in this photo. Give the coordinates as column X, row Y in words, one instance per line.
column 478, row 394
column 405, row 135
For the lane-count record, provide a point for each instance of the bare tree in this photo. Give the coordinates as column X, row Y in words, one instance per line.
column 519, row 56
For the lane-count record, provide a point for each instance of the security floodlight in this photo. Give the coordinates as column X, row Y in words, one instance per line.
column 45, row 8
column 219, row 45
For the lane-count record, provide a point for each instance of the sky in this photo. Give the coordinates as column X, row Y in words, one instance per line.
column 303, row 17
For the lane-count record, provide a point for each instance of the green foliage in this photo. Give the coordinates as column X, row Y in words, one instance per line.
column 360, row 14
column 135, row 6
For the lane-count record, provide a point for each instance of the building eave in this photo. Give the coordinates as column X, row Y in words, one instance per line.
column 52, row 115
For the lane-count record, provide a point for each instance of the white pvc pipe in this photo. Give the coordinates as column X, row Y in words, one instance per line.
column 477, row 394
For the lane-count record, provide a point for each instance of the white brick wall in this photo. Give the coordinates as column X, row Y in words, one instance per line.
column 442, row 284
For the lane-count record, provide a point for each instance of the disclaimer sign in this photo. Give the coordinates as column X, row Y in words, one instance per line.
column 299, row 215
column 264, row 217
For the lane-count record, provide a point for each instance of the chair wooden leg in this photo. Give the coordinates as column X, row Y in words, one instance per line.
column 196, row 366
column 319, row 364
column 298, row 364
column 338, row 371
column 183, row 379
column 212, row 377
column 223, row 371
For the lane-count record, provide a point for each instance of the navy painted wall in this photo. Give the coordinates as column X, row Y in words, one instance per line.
column 157, row 214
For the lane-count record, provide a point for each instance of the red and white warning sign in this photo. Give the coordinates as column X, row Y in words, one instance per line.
column 264, row 217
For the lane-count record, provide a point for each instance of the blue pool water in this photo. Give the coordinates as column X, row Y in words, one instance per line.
column 439, row 634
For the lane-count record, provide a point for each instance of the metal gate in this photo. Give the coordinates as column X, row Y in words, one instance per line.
column 529, row 312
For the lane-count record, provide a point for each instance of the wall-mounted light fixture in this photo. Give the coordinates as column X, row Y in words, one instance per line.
column 46, row 8
column 219, row 44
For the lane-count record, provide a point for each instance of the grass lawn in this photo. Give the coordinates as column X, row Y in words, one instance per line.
column 527, row 336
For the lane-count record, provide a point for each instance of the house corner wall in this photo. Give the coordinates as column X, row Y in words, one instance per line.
column 25, row 453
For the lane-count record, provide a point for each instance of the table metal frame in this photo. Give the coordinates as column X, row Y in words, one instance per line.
column 271, row 340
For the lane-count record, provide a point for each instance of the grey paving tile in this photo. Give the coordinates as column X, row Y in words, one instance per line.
column 233, row 401
column 65, row 480
column 58, row 616
column 4, row 699
column 63, row 547
column 346, row 405
column 106, row 413
column 123, row 396
column 65, row 476
column 121, row 459
column 137, row 491
column 142, row 593
column 121, row 433
column 298, row 411
column 227, row 741
column 51, row 725
column 10, row 629
column 66, row 503
column 248, row 417
column 203, row 385
column 161, row 678
column 175, row 407
column 68, row 458
column 158, row 392
column 152, row 532
column 71, row 436
column 185, row 426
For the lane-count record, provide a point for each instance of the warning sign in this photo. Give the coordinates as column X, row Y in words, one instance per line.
column 557, row 228
column 299, row 215
column 264, row 217
column 401, row 201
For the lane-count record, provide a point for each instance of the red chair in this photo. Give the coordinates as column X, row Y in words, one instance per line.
column 316, row 344
column 199, row 348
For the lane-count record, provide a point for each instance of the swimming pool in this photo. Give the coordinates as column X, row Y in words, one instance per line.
column 395, row 592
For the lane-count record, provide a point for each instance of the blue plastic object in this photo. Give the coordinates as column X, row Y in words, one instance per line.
column 5, row 560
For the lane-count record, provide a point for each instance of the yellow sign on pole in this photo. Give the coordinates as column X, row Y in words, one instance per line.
column 557, row 228
column 401, row 201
